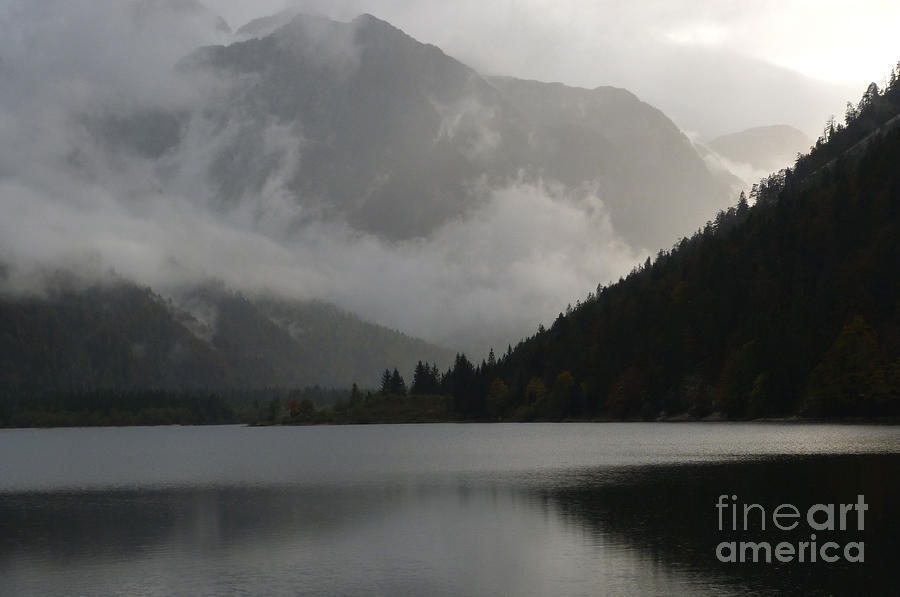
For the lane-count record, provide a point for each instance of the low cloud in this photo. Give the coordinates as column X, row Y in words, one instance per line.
column 745, row 175
column 486, row 279
column 68, row 201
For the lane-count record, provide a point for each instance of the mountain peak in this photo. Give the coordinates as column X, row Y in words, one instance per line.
column 292, row 19
column 372, row 21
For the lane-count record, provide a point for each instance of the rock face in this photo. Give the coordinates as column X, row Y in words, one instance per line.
column 397, row 138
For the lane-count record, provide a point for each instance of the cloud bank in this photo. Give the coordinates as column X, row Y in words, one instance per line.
column 67, row 201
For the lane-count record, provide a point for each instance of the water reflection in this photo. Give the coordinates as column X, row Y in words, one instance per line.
column 668, row 515
column 647, row 529
column 562, row 526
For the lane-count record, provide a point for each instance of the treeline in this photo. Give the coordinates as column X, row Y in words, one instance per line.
column 271, row 406
column 123, row 407
column 875, row 108
column 785, row 304
column 426, row 400
column 116, row 408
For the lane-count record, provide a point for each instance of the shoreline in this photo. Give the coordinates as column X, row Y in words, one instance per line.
column 790, row 420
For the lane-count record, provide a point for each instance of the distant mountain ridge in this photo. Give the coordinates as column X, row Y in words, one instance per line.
column 768, row 148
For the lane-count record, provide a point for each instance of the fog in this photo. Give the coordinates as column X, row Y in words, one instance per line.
column 489, row 277
column 485, row 278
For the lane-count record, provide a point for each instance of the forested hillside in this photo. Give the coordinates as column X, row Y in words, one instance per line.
column 788, row 303
column 80, row 337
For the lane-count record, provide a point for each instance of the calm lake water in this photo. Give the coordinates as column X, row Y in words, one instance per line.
column 518, row 510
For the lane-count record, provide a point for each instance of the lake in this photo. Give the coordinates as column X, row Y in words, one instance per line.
column 492, row 509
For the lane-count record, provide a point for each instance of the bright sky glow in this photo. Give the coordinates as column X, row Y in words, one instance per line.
column 849, row 41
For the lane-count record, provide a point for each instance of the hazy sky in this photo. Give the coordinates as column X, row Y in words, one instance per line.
column 850, row 41
column 710, row 65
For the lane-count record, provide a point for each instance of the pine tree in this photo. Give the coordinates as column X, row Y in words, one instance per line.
column 419, row 379
column 355, row 395
column 386, row 382
column 397, row 385
column 829, row 128
column 850, row 114
column 742, row 205
column 868, row 97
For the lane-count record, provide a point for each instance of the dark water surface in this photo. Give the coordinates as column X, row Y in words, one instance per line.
column 542, row 509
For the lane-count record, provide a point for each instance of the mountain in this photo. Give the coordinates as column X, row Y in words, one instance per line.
column 117, row 335
column 785, row 307
column 608, row 136
column 767, row 148
column 374, row 108
column 397, row 138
